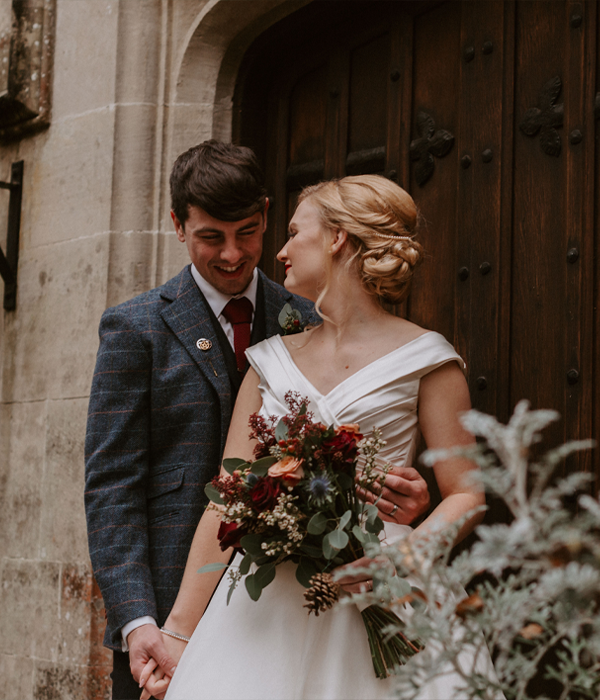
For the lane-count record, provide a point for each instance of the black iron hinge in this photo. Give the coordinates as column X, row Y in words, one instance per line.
column 9, row 263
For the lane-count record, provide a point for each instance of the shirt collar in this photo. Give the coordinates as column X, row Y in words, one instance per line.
column 217, row 300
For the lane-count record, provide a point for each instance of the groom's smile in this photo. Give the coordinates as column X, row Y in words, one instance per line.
column 225, row 253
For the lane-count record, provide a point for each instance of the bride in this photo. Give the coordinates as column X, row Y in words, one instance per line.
column 351, row 247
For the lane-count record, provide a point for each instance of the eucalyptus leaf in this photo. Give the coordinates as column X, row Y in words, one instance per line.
column 253, row 587
column 370, row 538
column 233, row 463
column 375, row 527
column 209, row 568
column 281, row 431
column 328, row 551
column 284, row 313
column 252, row 544
column 359, row 534
column 314, row 552
column 245, row 564
column 371, row 512
column 345, row 519
column 345, row 481
column 265, row 574
column 232, row 588
column 317, row 524
column 305, row 571
column 212, row 493
column 261, row 466
column 338, row 539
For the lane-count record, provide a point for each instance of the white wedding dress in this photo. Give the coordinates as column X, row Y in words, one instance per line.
column 272, row 649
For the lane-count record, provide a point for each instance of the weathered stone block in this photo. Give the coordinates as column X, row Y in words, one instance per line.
column 17, row 673
column 75, row 614
column 29, row 609
column 58, row 682
column 68, row 178
column 52, row 340
column 63, row 530
column 86, row 56
column 21, row 478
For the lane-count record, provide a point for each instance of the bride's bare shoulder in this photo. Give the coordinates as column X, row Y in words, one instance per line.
column 296, row 340
column 404, row 331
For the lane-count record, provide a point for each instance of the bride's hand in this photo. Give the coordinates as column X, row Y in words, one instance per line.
column 153, row 678
column 404, row 496
column 156, row 684
column 356, row 583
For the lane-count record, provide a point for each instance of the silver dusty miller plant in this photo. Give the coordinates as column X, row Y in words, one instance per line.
column 541, row 589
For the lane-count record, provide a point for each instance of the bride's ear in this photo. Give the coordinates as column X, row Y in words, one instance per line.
column 338, row 241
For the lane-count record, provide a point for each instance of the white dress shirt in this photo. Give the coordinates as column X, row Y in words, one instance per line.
column 217, row 302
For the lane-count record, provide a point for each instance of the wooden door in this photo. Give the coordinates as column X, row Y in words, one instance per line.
column 487, row 113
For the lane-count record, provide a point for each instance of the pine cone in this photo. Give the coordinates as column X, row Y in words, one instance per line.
column 323, row 593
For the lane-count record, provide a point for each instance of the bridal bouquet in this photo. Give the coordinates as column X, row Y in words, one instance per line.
column 297, row 502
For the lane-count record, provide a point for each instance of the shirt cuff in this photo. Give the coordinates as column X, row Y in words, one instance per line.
column 132, row 625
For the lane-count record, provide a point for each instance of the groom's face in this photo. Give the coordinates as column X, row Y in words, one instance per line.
column 225, row 253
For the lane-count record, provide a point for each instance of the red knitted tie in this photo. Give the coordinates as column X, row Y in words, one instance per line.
column 239, row 313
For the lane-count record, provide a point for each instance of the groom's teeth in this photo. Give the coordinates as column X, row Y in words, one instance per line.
column 230, row 269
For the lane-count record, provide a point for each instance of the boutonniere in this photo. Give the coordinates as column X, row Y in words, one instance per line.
column 290, row 320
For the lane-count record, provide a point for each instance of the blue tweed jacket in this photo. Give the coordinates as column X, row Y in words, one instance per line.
column 158, row 418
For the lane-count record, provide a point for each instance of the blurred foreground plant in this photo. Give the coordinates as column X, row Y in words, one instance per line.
column 541, row 589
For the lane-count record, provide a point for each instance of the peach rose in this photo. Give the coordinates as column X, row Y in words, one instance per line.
column 289, row 468
column 349, row 428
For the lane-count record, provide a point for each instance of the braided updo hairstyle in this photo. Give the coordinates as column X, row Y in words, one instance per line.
column 365, row 206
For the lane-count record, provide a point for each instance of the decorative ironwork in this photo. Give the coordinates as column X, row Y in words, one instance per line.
column 430, row 143
column 10, row 262
column 546, row 118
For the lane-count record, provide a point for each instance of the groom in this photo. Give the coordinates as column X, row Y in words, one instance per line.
column 168, row 369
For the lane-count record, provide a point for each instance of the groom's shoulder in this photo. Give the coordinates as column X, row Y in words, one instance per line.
column 277, row 296
column 144, row 307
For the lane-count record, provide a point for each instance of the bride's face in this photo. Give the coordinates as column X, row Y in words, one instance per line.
column 305, row 253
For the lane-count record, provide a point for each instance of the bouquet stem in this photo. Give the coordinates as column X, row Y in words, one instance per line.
column 387, row 650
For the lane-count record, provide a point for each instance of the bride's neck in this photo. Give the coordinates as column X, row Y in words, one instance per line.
column 349, row 311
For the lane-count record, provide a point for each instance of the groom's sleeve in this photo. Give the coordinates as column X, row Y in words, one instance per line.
column 117, row 464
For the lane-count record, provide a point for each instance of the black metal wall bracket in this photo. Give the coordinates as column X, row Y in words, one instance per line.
column 10, row 262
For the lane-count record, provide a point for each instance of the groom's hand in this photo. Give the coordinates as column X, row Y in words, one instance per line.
column 404, row 496
column 145, row 643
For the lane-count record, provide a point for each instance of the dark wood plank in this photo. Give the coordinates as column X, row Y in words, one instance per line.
column 480, row 138
column 436, row 42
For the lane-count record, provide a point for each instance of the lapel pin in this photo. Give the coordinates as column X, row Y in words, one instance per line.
column 204, row 344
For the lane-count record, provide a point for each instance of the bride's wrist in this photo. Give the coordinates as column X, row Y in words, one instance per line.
column 179, row 624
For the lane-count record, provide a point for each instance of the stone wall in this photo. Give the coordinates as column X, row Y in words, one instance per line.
column 134, row 83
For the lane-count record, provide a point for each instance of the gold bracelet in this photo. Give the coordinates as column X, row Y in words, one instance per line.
column 182, row 637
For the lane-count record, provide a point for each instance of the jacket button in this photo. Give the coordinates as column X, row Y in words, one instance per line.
column 204, row 344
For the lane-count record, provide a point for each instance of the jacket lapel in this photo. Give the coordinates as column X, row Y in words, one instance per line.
column 274, row 299
column 188, row 317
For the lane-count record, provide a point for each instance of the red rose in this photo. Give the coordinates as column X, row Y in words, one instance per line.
column 343, row 446
column 264, row 494
column 230, row 535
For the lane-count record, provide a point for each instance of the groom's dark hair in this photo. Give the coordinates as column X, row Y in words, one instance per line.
column 224, row 180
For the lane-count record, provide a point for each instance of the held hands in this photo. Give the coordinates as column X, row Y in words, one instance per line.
column 155, row 677
column 146, row 643
column 404, row 496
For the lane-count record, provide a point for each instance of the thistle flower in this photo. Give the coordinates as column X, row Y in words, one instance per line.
column 319, row 489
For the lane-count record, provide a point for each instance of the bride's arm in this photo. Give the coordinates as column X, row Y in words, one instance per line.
column 196, row 589
column 443, row 397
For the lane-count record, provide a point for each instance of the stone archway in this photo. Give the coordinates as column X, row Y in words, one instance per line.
column 207, row 66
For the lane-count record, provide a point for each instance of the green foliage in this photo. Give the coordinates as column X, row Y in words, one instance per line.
column 538, row 607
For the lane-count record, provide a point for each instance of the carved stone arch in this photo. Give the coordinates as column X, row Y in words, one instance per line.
column 206, row 68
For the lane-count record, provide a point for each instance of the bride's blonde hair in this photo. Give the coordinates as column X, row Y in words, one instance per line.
column 381, row 220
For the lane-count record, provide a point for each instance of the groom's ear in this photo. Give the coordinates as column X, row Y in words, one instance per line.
column 340, row 237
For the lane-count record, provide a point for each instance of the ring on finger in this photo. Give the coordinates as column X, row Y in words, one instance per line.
column 394, row 509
